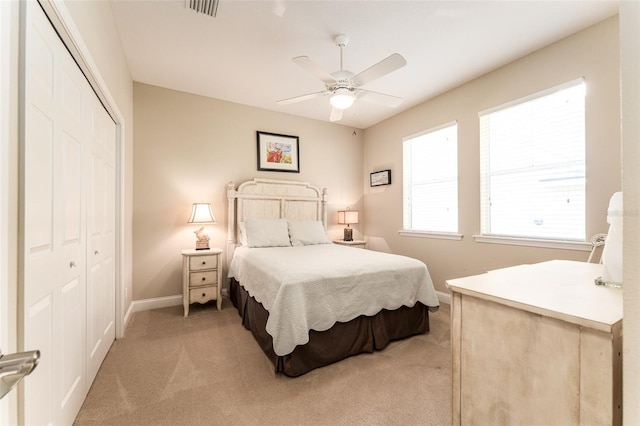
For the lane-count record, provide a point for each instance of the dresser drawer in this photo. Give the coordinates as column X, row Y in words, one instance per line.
column 202, row 295
column 197, row 279
column 197, row 263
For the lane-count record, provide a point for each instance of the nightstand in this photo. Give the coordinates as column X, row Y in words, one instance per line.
column 201, row 277
column 355, row 243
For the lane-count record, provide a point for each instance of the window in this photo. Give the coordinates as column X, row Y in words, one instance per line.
column 430, row 180
column 532, row 170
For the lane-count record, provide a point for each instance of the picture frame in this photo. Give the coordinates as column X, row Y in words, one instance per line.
column 278, row 153
column 383, row 177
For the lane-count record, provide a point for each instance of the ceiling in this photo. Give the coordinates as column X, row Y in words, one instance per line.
column 244, row 54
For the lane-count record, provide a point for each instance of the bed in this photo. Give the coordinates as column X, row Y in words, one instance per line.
column 308, row 302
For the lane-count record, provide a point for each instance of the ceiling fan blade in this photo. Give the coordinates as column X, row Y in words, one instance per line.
column 379, row 98
column 336, row 114
column 382, row 68
column 300, row 98
column 308, row 64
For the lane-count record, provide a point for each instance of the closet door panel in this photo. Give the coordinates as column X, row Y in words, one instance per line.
column 54, row 225
column 39, row 144
column 40, row 387
column 70, row 87
column 101, row 231
column 96, row 281
column 72, row 190
column 39, row 225
column 69, row 223
column 72, row 363
column 39, row 182
column 40, row 61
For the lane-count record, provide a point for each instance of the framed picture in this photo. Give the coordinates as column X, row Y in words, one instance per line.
column 382, row 177
column 278, row 153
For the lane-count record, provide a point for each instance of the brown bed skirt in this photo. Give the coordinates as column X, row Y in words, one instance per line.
column 362, row 334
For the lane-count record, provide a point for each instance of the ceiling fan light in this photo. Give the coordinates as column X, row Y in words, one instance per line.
column 342, row 99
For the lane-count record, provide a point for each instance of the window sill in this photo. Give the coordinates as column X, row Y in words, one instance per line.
column 534, row 242
column 431, row 234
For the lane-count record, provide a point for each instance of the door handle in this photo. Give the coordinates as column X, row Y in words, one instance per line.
column 14, row 367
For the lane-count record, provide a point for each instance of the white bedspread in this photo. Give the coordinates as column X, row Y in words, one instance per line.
column 313, row 287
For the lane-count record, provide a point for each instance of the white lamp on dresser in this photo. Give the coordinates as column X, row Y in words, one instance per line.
column 348, row 217
column 201, row 213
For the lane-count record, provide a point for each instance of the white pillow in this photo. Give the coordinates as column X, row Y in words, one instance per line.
column 305, row 233
column 267, row 232
column 242, row 234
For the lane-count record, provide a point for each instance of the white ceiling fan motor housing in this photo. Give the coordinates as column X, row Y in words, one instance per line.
column 341, row 40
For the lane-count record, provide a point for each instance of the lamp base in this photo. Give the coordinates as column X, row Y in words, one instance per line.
column 202, row 245
column 348, row 234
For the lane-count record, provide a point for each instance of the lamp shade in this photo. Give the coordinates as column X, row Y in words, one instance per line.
column 201, row 213
column 342, row 98
column 346, row 217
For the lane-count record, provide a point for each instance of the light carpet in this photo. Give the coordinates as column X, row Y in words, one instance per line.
column 206, row 369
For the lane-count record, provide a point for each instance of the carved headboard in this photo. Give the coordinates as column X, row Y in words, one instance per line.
column 272, row 199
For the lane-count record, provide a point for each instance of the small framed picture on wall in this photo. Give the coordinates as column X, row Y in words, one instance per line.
column 278, row 153
column 380, row 178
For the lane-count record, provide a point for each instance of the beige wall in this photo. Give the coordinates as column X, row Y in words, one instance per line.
column 189, row 147
column 592, row 54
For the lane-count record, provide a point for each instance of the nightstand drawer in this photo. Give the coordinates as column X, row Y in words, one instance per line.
column 197, row 263
column 202, row 295
column 203, row 278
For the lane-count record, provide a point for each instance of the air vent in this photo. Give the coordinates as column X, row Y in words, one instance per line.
column 208, row 7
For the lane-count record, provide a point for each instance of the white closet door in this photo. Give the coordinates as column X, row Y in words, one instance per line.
column 101, row 223
column 63, row 125
column 7, row 407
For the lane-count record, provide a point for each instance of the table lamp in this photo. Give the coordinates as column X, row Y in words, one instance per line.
column 201, row 213
column 347, row 217
column 612, row 252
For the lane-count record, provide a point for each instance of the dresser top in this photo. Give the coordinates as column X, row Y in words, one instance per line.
column 561, row 289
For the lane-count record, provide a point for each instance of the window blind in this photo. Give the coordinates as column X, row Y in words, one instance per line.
column 532, row 155
column 430, row 180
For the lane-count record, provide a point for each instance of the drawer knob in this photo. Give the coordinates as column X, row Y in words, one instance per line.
column 204, row 262
column 204, row 294
column 203, row 278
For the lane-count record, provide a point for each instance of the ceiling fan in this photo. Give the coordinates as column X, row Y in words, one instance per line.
column 344, row 87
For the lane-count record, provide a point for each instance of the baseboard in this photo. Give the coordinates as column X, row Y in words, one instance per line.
column 127, row 315
column 444, row 297
column 156, row 303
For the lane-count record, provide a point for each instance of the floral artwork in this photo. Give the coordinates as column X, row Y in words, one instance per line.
column 278, row 153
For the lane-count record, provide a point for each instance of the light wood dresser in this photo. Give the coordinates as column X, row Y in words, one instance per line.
column 201, row 277
column 536, row 344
